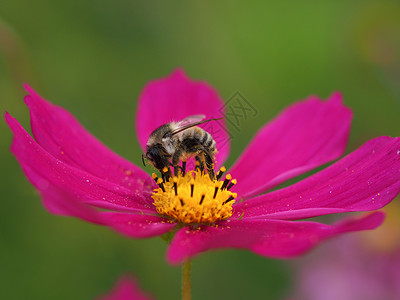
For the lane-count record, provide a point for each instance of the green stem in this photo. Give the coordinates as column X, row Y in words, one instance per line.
column 186, row 286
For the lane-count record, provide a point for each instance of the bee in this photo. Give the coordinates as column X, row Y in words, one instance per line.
column 172, row 142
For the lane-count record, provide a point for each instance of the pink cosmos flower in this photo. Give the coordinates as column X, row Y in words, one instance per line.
column 125, row 289
column 78, row 176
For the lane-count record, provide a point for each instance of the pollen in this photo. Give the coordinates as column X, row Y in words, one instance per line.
column 193, row 198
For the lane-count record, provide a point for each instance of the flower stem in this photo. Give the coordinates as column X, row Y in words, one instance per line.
column 186, row 286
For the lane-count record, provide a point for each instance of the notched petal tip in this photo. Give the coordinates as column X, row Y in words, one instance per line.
column 32, row 97
column 30, row 90
column 10, row 120
column 336, row 96
column 178, row 72
column 127, row 287
column 6, row 115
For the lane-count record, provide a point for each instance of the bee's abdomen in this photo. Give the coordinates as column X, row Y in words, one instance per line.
column 197, row 139
column 207, row 141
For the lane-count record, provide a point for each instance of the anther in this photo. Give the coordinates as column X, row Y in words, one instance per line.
column 154, row 176
column 222, row 170
column 197, row 166
column 161, row 184
column 191, row 187
column 175, row 179
column 202, row 199
column 233, row 182
column 166, row 173
column 181, row 200
column 226, row 181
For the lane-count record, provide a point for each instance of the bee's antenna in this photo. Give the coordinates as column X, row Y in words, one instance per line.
column 144, row 163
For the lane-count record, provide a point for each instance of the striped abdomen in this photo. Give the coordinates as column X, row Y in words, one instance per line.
column 196, row 139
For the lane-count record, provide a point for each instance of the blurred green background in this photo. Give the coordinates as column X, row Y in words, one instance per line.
column 94, row 57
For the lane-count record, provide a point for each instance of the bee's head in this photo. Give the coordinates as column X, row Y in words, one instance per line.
column 157, row 156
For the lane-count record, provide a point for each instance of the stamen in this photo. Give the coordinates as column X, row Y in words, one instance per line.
column 204, row 204
column 161, row 184
column 191, row 187
column 175, row 179
column 216, row 190
column 202, row 199
column 230, row 198
column 183, row 167
column 154, row 176
column 226, row 181
column 233, row 182
column 166, row 173
column 222, row 170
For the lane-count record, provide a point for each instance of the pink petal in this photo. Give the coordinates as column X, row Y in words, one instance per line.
column 45, row 171
column 125, row 289
column 137, row 226
column 132, row 225
column 367, row 179
column 272, row 238
column 176, row 97
column 304, row 136
column 60, row 202
column 60, row 134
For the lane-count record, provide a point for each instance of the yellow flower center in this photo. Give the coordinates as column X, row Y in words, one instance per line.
column 194, row 198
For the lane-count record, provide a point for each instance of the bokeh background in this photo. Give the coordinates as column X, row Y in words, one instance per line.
column 94, row 57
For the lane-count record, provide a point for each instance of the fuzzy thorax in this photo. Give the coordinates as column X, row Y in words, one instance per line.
column 194, row 198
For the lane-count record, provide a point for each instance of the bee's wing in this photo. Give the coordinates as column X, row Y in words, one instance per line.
column 189, row 122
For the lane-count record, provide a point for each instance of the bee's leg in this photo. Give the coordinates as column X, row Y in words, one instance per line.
column 209, row 164
column 175, row 161
column 176, row 170
column 199, row 163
